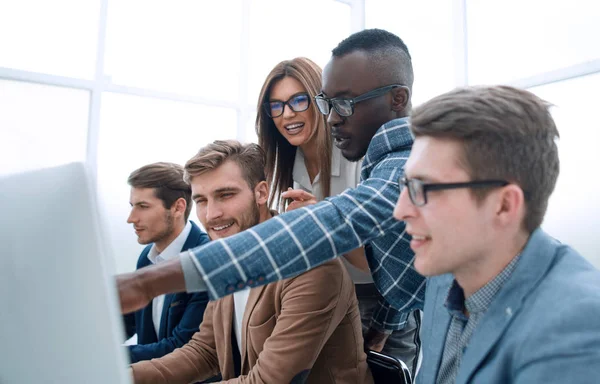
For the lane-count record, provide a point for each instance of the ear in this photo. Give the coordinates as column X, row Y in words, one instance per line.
column 179, row 207
column 400, row 99
column 510, row 208
column 261, row 193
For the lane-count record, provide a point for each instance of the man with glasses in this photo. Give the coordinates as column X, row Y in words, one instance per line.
column 366, row 95
column 505, row 303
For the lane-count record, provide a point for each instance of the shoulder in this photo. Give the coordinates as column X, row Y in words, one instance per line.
column 571, row 285
column 143, row 259
column 326, row 276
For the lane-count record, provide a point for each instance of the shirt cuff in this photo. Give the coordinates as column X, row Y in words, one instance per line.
column 193, row 278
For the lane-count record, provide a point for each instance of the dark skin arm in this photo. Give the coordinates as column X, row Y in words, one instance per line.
column 137, row 289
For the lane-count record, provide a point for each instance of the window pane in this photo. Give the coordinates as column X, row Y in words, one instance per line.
column 56, row 37
column 574, row 211
column 186, row 46
column 41, row 126
column 311, row 30
column 428, row 36
column 251, row 136
column 135, row 131
column 513, row 39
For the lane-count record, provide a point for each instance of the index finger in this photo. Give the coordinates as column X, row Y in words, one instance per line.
column 297, row 194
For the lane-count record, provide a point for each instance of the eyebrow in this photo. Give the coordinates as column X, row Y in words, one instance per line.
column 139, row 203
column 291, row 97
column 217, row 191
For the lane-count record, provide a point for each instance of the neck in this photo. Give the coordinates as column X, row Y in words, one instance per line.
column 480, row 271
column 265, row 213
column 162, row 244
column 311, row 159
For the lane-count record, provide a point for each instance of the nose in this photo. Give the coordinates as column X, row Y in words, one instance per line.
column 213, row 211
column 333, row 118
column 131, row 219
column 288, row 112
column 404, row 209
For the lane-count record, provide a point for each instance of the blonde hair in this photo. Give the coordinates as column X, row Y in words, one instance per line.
column 249, row 157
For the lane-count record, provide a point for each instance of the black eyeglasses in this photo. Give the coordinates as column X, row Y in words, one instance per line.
column 298, row 103
column 417, row 190
column 345, row 107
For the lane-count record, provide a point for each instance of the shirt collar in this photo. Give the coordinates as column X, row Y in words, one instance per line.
column 172, row 250
column 392, row 136
column 482, row 298
column 300, row 173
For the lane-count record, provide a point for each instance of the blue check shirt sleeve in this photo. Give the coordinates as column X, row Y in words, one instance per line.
column 292, row 243
column 387, row 318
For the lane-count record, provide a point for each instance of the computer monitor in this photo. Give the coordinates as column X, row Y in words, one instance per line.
column 59, row 312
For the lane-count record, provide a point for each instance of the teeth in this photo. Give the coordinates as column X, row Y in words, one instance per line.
column 222, row 227
column 292, row 126
column 419, row 238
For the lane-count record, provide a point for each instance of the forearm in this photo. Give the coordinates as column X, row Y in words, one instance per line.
column 163, row 278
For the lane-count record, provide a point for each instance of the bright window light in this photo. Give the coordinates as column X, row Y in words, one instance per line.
column 57, row 37
column 513, row 39
column 186, row 47
column 574, row 210
column 41, row 126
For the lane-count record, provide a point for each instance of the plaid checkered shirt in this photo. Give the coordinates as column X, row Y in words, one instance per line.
column 294, row 242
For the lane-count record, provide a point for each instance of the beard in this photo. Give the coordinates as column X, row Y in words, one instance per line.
column 247, row 219
column 251, row 217
column 165, row 233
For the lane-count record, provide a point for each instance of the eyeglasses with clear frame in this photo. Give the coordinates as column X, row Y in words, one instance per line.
column 345, row 106
column 298, row 103
column 417, row 189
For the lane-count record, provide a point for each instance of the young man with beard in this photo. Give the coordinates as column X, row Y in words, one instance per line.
column 303, row 329
column 160, row 206
column 366, row 95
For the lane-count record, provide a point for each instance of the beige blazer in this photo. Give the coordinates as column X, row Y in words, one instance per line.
column 305, row 326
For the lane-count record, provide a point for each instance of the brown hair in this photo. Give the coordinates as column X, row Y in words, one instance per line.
column 167, row 181
column 506, row 133
column 249, row 157
column 280, row 153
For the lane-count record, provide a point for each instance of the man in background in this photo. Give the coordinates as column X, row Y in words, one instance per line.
column 160, row 206
column 303, row 329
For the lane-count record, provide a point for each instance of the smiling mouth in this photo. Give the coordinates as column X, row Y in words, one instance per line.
column 221, row 227
column 294, row 129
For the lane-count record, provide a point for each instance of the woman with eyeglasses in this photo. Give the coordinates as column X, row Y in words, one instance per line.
column 300, row 154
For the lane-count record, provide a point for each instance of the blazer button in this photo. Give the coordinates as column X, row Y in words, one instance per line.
column 241, row 285
column 250, row 282
column 230, row 288
column 261, row 279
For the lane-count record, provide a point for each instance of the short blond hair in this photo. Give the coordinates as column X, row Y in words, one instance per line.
column 249, row 157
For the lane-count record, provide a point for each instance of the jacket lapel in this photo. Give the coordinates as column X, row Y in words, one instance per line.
column 535, row 260
column 253, row 299
column 437, row 320
column 162, row 330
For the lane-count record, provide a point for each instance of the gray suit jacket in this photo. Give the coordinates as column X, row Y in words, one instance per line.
column 543, row 326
